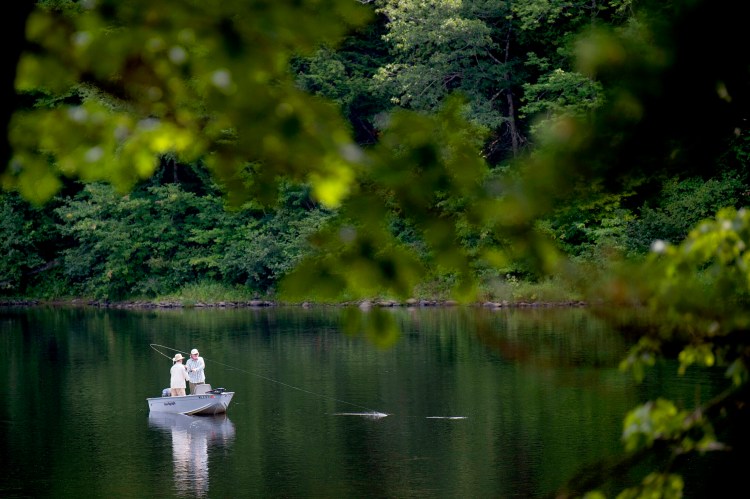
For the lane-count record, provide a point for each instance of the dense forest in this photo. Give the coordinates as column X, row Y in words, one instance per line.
column 510, row 68
column 397, row 148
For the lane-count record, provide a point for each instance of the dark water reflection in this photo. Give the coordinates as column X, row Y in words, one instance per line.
column 479, row 403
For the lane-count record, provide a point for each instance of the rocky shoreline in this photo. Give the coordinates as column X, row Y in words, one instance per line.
column 363, row 304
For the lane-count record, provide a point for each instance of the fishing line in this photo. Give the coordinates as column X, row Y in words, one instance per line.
column 370, row 414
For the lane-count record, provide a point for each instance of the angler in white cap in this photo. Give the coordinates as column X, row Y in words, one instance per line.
column 178, row 377
column 196, row 369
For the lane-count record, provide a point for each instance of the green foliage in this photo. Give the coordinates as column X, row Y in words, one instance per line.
column 698, row 294
column 640, row 357
column 680, row 207
column 344, row 75
column 702, row 355
column 662, row 421
column 157, row 78
column 651, row 421
column 131, row 245
column 493, row 53
column 590, row 230
column 258, row 249
column 19, row 238
column 29, row 241
column 440, row 48
column 695, row 292
column 424, row 170
column 661, row 485
column 704, row 283
column 156, row 241
column 738, row 372
column 558, row 93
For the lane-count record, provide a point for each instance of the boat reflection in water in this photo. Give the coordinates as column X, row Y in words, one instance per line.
column 191, row 438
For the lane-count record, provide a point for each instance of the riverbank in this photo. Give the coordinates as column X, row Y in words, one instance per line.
column 362, row 304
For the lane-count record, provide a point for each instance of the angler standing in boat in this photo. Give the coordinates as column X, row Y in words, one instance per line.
column 178, row 377
column 196, row 368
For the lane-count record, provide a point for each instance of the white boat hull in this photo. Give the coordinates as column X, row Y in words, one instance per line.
column 205, row 404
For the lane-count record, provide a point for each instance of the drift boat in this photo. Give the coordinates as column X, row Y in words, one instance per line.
column 205, row 402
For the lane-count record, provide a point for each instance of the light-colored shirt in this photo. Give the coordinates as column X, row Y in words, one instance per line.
column 179, row 376
column 196, row 370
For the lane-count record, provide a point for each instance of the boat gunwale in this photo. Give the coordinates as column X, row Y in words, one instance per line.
column 214, row 401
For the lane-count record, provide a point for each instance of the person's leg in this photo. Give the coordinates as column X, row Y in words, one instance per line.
column 173, row 391
column 192, row 387
column 180, row 392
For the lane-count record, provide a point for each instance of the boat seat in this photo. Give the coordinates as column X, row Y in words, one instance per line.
column 202, row 389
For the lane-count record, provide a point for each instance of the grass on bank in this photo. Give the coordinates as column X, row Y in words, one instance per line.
column 551, row 290
column 208, row 292
column 509, row 290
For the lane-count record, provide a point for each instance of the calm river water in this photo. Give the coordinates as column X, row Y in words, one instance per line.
column 480, row 404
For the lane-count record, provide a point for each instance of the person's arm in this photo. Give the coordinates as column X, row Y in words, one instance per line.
column 199, row 365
